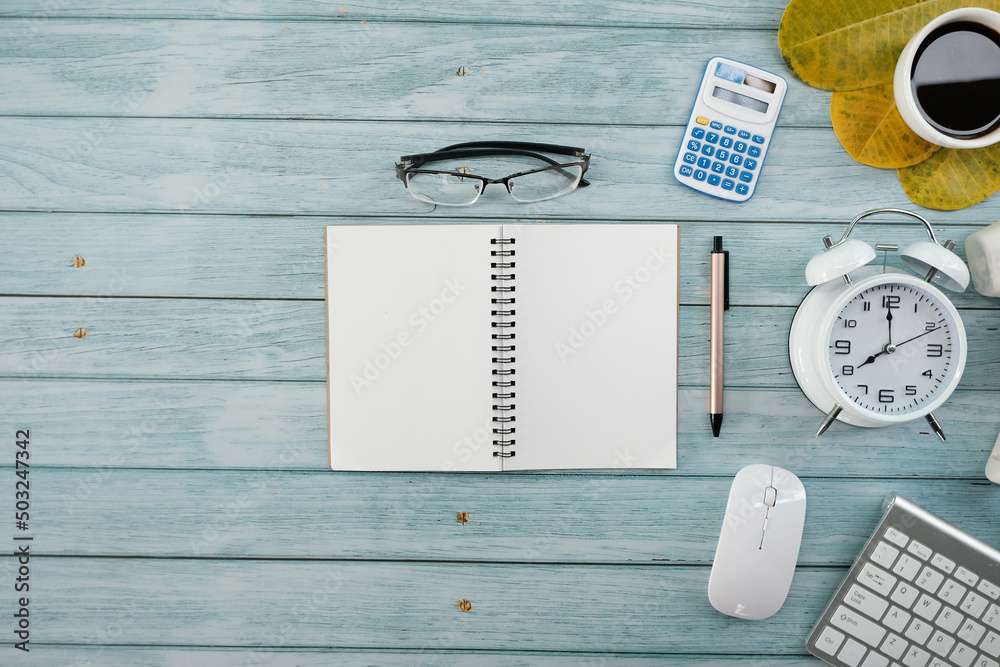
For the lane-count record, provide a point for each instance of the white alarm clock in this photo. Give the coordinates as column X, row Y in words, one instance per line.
column 874, row 345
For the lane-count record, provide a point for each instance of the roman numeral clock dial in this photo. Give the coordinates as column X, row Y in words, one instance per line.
column 875, row 345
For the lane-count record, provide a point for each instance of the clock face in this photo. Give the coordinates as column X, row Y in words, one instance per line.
column 894, row 348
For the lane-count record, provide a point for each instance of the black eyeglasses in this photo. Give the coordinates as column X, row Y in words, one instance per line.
column 462, row 188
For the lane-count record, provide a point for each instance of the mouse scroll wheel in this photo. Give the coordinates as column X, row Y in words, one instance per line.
column 770, row 496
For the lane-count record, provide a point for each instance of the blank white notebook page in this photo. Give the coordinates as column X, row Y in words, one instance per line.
column 408, row 335
column 596, row 358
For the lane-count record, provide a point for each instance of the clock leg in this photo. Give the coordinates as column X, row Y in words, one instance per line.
column 935, row 425
column 830, row 417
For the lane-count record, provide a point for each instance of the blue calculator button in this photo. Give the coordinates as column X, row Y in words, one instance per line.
column 722, row 154
column 708, row 150
column 757, row 139
column 735, row 159
column 699, row 175
column 750, row 164
column 694, row 145
column 726, row 142
column 713, row 179
column 729, row 129
column 698, row 133
column 718, row 167
column 685, row 170
column 704, row 162
column 746, row 176
column 742, row 189
column 690, row 158
column 732, row 172
column 727, row 184
column 739, row 147
column 754, row 151
column 744, row 134
column 716, row 125
column 712, row 138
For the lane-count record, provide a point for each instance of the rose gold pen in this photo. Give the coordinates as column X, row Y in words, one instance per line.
column 720, row 302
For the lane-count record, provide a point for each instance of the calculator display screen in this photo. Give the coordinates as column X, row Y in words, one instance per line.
column 741, row 100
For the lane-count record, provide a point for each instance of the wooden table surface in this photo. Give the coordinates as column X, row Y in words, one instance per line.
column 166, row 171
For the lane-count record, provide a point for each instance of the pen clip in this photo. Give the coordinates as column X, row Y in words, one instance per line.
column 725, row 302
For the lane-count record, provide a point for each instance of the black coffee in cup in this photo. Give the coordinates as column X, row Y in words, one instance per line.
column 956, row 79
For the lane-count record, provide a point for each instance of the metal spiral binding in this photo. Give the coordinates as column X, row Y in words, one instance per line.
column 503, row 347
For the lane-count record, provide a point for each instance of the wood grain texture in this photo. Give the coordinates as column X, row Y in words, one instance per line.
column 346, row 168
column 426, row 71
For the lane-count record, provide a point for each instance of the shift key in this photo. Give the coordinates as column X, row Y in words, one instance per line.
column 858, row 626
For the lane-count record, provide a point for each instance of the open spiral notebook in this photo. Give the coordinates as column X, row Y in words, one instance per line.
column 490, row 347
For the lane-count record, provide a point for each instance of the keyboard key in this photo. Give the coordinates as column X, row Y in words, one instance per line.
column 907, row 567
column 732, row 172
column 916, row 657
column 858, row 626
column 876, row 579
column 918, row 631
column 726, row 142
column 894, row 646
column 896, row 619
column 746, row 176
column 708, row 150
column 694, row 145
column 735, row 159
column 740, row 147
column 962, row 655
column 729, row 129
column 750, row 164
column 721, row 154
column 742, row 188
column 905, row 595
column 714, row 179
column 949, row 620
column 704, row 162
column 967, row 577
column 943, row 563
column 952, row 592
column 712, row 137
column 698, row 133
column 884, row 554
column 930, row 580
column 971, row 632
column 940, row 643
column 875, row 660
column 757, row 139
column 974, row 605
column 980, row 662
column 991, row 645
column 992, row 617
column 989, row 589
column 865, row 601
column 753, row 151
column 830, row 640
column 718, row 167
column 852, row 653
column 919, row 550
column 743, row 134
column 927, row 607
column 700, row 174
column 701, row 120
column 727, row 184
column 685, row 170
column 716, row 125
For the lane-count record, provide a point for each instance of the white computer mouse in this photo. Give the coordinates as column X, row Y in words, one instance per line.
column 759, row 543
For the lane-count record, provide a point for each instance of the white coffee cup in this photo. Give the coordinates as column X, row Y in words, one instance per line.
column 906, row 101
column 982, row 249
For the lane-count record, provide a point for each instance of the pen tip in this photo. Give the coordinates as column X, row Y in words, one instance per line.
column 716, row 424
column 717, row 244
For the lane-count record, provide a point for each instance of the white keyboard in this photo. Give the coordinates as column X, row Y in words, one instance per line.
column 921, row 594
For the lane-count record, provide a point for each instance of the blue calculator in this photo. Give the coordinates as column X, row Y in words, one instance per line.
column 730, row 129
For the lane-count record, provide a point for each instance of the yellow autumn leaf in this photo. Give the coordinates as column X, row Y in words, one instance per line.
column 872, row 131
column 851, row 44
column 952, row 179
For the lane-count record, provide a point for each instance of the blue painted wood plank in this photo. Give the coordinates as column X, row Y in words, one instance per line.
column 346, row 168
column 282, row 426
column 764, row 15
column 281, row 257
column 380, row 71
column 611, row 519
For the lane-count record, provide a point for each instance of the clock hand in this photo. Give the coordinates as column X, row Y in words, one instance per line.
column 889, row 347
column 888, row 317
